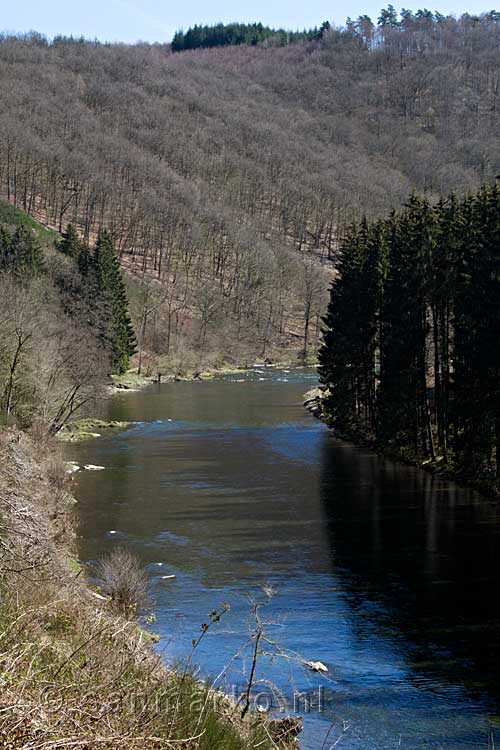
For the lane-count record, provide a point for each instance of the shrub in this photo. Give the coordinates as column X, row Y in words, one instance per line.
column 123, row 580
column 56, row 472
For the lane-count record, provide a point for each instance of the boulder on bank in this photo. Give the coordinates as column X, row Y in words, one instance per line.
column 313, row 402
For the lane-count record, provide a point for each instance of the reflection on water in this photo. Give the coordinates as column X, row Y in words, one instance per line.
column 385, row 574
column 426, row 549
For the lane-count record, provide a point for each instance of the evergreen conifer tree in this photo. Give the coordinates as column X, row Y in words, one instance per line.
column 111, row 290
column 477, row 335
column 70, row 243
column 24, row 255
column 85, row 261
column 403, row 391
column 5, row 243
column 420, row 296
column 340, row 357
column 444, row 264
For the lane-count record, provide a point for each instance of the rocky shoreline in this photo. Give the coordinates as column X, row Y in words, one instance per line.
column 313, row 402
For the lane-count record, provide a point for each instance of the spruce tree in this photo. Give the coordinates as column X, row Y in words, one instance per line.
column 444, row 264
column 70, row 243
column 24, row 256
column 404, row 409
column 111, row 290
column 395, row 392
column 5, row 245
column 477, row 335
column 372, row 272
column 85, row 261
column 492, row 318
column 340, row 362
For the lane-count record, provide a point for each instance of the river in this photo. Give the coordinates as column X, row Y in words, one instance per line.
column 386, row 574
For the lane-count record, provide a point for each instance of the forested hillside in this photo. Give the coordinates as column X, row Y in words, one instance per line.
column 64, row 322
column 228, row 175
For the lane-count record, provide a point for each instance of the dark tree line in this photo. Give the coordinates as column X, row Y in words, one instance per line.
column 411, row 352
column 104, row 290
column 422, row 30
column 223, row 35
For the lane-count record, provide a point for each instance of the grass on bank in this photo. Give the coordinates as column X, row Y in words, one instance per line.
column 88, row 428
column 72, row 673
column 16, row 217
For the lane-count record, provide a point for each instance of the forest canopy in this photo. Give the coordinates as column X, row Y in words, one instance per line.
column 221, row 35
column 227, row 176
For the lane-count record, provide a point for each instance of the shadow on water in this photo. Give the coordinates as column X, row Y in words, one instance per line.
column 384, row 573
column 429, row 552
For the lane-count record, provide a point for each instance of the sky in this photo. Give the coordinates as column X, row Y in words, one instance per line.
column 157, row 20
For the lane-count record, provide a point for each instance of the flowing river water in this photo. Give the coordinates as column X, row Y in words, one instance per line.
column 386, row 574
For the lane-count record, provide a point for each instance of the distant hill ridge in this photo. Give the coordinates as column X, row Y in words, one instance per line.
column 222, row 35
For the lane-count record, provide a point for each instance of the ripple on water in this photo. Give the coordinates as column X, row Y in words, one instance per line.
column 169, row 536
column 381, row 574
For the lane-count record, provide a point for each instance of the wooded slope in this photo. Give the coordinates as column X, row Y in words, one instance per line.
column 229, row 173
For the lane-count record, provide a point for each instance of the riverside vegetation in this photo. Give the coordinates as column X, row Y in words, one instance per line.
column 411, row 352
column 75, row 669
column 75, row 666
column 65, row 325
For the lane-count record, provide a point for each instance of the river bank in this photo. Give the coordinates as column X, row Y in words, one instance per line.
column 489, row 487
column 133, row 380
column 90, row 427
column 72, row 672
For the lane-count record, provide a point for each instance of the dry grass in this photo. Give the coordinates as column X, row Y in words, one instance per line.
column 124, row 582
column 72, row 673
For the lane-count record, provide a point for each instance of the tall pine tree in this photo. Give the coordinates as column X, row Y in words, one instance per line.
column 70, row 243
column 404, row 408
column 111, row 290
column 23, row 255
column 340, row 359
column 477, row 336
